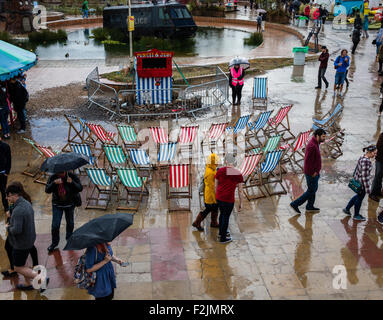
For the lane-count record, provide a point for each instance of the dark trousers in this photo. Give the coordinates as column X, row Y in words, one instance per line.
column 21, row 117
column 225, row 209
column 321, row 73
column 380, row 65
column 57, row 213
column 356, row 201
column 9, row 249
column 354, row 46
column 4, row 112
column 377, row 183
column 236, row 93
column 107, row 298
column 209, row 208
column 309, row 195
column 381, row 106
column 345, row 78
column 3, row 187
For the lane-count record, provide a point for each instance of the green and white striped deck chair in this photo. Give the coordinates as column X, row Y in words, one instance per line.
column 115, row 156
column 128, row 136
column 133, row 185
column 103, row 184
column 271, row 145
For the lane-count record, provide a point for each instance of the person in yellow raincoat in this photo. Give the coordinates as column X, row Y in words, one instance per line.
column 209, row 194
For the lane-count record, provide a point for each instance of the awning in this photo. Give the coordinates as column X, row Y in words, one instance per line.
column 14, row 60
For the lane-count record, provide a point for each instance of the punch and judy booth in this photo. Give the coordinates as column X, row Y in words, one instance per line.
column 153, row 77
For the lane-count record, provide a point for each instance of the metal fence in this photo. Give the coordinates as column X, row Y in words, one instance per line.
column 186, row 100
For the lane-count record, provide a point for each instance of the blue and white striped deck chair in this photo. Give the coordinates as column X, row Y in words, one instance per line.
column 269, row 173
column 115, row 155
column 84, row 149
column 167, row 152
column 260, row 92
column 239, row 125
column 134, row 186
column 329, row 119
column 140, row 160
column 103, row 184
column 256, row 129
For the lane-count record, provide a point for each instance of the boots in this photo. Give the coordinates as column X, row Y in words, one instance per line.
column 197, row 222
column 214, row 222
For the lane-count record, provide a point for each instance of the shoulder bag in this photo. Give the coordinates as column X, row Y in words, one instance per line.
column 354, row 184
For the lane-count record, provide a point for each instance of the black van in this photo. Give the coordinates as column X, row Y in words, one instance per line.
column 166, row 20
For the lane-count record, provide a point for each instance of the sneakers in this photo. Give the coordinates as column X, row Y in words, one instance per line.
column 340, row 95
column 373, row 197
column 20, row 131
column 359, row 217
column 380, row 218
column 226, row 240
column 347, row 211
column 228, row 235
column 24, row 287
column 51, row 248
column 313, row 209
column 318, row 87
column 46, row 285
column 296, row 209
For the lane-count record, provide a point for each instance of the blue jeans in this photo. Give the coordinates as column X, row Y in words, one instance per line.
column 57, row 213
column 4, row 112
column 356, row 201
column 85, row 13
column 225, row 209
column 309, row 195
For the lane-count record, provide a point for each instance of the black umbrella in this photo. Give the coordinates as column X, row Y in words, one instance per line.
column 99, row 230
column 64, row 162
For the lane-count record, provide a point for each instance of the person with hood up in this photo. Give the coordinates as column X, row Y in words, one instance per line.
column 209, row 194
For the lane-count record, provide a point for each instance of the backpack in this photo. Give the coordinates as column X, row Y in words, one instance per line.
column 83, row 279
column 83, row 6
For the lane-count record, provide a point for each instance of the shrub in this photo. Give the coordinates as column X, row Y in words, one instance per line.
column 255, row 39
column 5, row 36
column 102, row 34
column 47, row 36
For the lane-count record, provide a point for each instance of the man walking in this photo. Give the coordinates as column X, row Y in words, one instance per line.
column 312, row 167
column 226, row 181
column 323, row 58
column 376, row 191
column 22, row 236
column 85, row 9
column 5, row 168
column 355, row 39
column 19, row 96
column 341, row 65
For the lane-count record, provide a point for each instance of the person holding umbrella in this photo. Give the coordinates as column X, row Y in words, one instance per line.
column 64, row 187
column 237, row 73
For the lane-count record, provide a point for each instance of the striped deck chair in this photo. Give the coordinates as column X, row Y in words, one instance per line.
column 179, row 185
column 43, row 153
column 104, row 185
column 260, row 90
column 249, row 166
column 269, row 173
column 280, row 124
column 332, row 146
column 240, row 124
column 271, row 144
column 295, row 151
column 84, row 149
column 115, row 156
column 159, row 135
column 75, row 134
column 187, row 137
column 255, row 131
column 329, row 119
column 128, row 136
column 167, row 152
column 215, row 132
column 140, row 161
column 134, row 186
column 98, row 133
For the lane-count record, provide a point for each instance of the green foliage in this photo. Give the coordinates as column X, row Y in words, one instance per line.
column 255, row 39
column 5, row 36
column 102, row 34
column 47, row 36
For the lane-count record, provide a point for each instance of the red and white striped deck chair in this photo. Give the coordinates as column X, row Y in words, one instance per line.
column 179, row 185
column 332, row 146
column 215, row 133
column 100, row 134
column 294, row 152
column 187, row 137
column 280, row 124
column 249, row 168
column 159, row 135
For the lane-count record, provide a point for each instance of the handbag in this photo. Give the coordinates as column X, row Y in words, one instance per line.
column 83, row 279
column 374, row 41
column 77, row 200
column 354, row 184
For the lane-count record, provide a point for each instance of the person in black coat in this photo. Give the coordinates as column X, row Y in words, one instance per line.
column 18, row 94
column 355, row 39
column 5, row 168
column 4, row 111
column 65, row 188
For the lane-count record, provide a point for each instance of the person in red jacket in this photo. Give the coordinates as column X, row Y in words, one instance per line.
column 307, row 12
column 323, row 58
column 312, row 167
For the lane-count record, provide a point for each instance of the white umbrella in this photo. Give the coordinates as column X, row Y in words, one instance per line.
column 261, row 11
column 243, row 62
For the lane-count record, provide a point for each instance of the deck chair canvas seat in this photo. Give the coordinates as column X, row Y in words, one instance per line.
column 115, row 156
column 280, row 124
column 249, row 167
column 216, row 131
column 267, row 180
column 134, row 186
column 159, row 135
column 295, row 152
column 271, row 144
column 255, row 131
column 187, row 137
column 140, row 160
column 84, row 149
column 329, row 119
column 100, row 184
column 99, row 134
column 128, row 136
column 260, row 91
column 240, row 124
column 179, row 185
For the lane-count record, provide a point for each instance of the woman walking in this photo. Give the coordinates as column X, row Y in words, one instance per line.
column 209, row 194
column 362, row 174
column 341, row 64
column 99, row 259
column 365, row 26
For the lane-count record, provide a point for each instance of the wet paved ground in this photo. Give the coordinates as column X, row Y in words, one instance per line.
column 274, row 254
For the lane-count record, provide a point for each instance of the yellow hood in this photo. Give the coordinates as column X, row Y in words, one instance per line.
column 212, row 161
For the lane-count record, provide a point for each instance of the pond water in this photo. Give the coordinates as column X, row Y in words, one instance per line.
column 207, row 42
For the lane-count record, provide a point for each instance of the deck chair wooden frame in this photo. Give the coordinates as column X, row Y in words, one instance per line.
column 280, row 124
column 140, row 161
column 75, row 135
column 269, row 173
column 332, row 145
column 329, row 119
column 256, row 130
column 99, row 134
column 99, row 182
column 240, row 125
column 166, row 154
column 179, row 177
column 84, row 149
column 249, row 167
column 127, row 136
column 133, row 186
column 295, row 152
column 260, row 93
column 114, row 157
column 213, row 135
column 271, row 144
